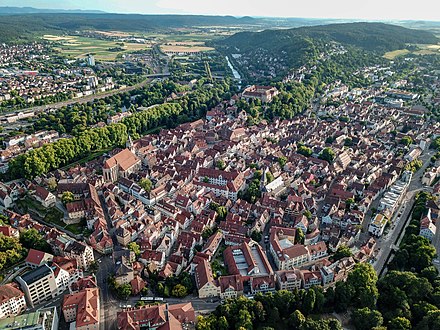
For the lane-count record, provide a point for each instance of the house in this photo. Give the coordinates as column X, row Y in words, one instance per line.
column 81, row 252
column 158, row 317
column 288, row 279
column 39, row 285
column 36, row 258
column 12, row 301
column 122, row 164
column 9, row 231
column 377, row 225
column 263, row 93
column 45, row 197
column 206, row 285
column 230, row 286
column 82, row 308
column 427, row 227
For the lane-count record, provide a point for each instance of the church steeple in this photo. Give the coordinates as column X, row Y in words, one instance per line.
column 129, row 144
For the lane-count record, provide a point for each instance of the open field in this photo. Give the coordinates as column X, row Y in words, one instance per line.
column 395, row 53
column 80, row 47
column 423, row 50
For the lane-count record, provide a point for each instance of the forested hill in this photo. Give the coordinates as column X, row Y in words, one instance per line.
column 23, row 27
column 369, row 36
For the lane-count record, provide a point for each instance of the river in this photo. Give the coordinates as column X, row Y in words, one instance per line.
column 234, row 72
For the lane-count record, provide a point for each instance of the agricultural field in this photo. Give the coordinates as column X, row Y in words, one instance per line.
column 422, row 50
column 104, row 50
column 392, row 55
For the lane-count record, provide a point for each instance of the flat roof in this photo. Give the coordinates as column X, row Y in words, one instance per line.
column 36, row 274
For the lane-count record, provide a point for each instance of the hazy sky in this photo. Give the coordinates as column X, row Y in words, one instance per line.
column 365, row 9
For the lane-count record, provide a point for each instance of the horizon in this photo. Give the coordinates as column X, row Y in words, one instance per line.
column 375, row 10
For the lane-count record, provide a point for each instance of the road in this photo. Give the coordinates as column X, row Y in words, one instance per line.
column 391, row 240
column 109, row 305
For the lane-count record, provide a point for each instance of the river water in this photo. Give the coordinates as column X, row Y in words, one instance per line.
column 234, row 72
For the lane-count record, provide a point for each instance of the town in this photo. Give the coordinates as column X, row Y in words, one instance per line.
column 190, row 194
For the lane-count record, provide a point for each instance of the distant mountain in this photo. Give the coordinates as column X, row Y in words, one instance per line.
column 32, row 10
column 369, row 36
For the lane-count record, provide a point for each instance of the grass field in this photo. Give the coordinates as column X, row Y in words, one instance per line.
column 80, row 47
column 423, row 50
column 392, row 55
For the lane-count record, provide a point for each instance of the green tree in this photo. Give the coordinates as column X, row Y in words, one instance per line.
column 365, row 318
column 406, row 141
column 399, row 323
column 220, row 164
column 297, row 319
column 363, row 280
column 327, row 154
column 282, row 161
column 179, row 291
column 133, row 246
column 146, row 184
column 32, row 239
column 342, row 252
column 124, row 291
column 67, row 197
column 299, row 236
column 305, row 151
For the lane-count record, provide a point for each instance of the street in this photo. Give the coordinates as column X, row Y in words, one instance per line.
column 391, row 240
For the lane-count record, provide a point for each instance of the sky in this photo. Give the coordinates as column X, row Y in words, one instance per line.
column 364, row 9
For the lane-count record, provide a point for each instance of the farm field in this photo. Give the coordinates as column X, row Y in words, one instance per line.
column 423, row 50
column 185, row 48
column 80, row 47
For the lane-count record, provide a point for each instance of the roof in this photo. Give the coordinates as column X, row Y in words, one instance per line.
column 86, row 303
column 125, row 159
column 36, row 257
column 37, row 274
column 9, row 291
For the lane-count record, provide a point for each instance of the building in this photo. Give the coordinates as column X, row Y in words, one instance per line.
column 157, row 317
column 82, row 308
column 36, row 258
column 288, row 279
column 427, row 227
column 42, row 319
column 230, row 286
column 81, row 252
column 377, row 225
column 206, row 285
column 12, row 301
column 121, row 165
column 90, row 60
column 263, row 93
column 45, row 197
column 221, row 183
column 39, row 285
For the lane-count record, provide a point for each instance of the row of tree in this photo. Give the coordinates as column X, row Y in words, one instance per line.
column 65, row 151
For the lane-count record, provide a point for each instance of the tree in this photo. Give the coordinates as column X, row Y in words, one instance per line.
column 179, row 291
column 327, row 154
column 343, row 251
column 282, row 161
column 220, row 164
column 296, row 319
column 309, row 301
column 31, row 239
column 146, row 184
column 406, row 141
column 93, row 267
column 67, row 197
column 256, row 235
column 124, row 291
column 363, row 280
column 305, row 151
column 133, row 246
column 365, row 318
column 399, row 323
column 299, row 236
column 269, row 177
